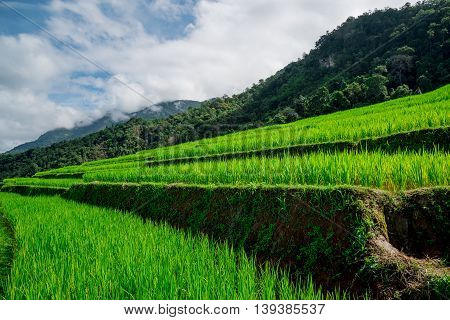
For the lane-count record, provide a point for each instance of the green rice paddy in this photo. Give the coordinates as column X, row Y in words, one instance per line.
column 398, row 171
column 67, row 250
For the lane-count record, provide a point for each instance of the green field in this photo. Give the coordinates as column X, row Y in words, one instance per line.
column 72, row 251
column 399, row 171
column 6, row 252
column 83, row 169
column 60, row 183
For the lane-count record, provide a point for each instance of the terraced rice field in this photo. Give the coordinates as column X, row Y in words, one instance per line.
column 308, row 204
column 60, row 183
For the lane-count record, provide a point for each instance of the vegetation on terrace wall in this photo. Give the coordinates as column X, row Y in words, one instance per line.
column 419, row 223
column 413, row 50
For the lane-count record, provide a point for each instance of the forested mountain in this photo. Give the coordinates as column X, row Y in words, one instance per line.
column 380, row 55
column 158, row 111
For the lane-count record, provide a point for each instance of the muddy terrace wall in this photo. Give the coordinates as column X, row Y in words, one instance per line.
column 418, row 222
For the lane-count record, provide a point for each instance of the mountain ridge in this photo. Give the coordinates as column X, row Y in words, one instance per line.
column 157, row 111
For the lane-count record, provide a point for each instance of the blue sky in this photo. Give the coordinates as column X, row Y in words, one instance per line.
column 12, row 24
column 161, row 26
column 162, row 49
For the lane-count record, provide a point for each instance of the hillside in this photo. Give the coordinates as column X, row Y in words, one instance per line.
column 372, row 58
column 158, row 111
column 350, row 200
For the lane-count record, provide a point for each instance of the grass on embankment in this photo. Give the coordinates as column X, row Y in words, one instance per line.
column 399, row 171
column 57, row 183
column 79, row 170
column 68, row 250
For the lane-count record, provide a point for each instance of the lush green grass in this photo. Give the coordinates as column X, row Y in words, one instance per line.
column 62, row 183
column 68, row 250
column 82, row 169
column 402, row 170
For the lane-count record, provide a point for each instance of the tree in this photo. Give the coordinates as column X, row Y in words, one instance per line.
column 381, row 69
column 337, row 84
column 401, row 66
column 424, row 83
column 354, row 93
column 401, row 91
column 285, row 115
column 320, row 101
column 376, row 88
column 405, row 50
column 339, row 101
column 301, row 106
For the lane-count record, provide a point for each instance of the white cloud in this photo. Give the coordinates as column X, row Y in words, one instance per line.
column 231, row 45
column 29, row 61
column 26, row 114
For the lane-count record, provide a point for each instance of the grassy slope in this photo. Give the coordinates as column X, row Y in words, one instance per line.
column 60, row 183
column 84, row 252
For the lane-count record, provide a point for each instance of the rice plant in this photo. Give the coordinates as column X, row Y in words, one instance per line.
column 73, row 251
column 60, row 183
column 398, row 171
column 6, row 252
column 87, row 168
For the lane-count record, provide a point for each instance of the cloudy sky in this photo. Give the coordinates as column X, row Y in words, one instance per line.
column 161, row 49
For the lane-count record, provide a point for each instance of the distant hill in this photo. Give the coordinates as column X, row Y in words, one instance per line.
column 380, row 55
column 158, row 111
